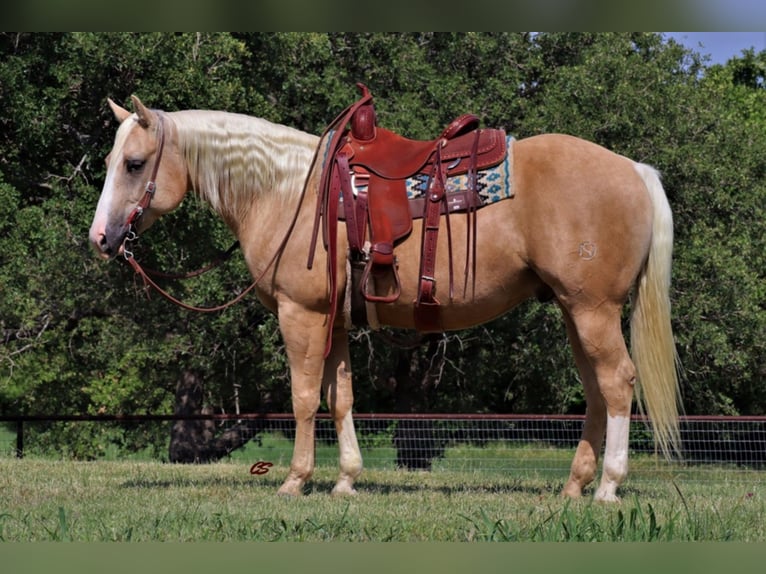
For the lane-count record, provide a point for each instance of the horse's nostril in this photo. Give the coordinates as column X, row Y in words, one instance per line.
column 101, row 244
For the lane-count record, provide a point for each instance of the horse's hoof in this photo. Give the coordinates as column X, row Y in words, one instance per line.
column 343, row 491
column 290, row 489
column 571, row 490
column 608, row 498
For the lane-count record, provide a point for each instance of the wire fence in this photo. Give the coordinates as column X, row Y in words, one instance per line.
column 537, row 444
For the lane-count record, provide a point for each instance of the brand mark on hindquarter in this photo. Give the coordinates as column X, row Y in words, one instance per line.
column 587, row 250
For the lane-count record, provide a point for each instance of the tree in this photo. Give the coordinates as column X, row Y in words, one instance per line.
column 80, row 336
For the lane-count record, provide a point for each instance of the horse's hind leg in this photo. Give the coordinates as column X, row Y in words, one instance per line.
column 585, row 462
column 605, row 359
column 340, row 399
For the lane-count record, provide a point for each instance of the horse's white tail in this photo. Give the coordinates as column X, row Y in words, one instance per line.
column 652, row 346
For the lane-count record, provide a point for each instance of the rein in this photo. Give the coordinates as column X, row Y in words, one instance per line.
column 150, row 282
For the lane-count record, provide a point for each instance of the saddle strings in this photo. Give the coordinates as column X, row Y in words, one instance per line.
column 471, row 218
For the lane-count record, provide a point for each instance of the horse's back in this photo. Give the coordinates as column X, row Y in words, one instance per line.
column 556, row 156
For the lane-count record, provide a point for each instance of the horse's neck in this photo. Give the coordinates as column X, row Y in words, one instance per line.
column 242, row 166
column 274, row 222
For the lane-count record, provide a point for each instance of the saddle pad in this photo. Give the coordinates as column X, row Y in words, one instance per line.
column 493, row 184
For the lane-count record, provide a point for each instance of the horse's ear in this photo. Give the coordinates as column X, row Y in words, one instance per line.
column 119, row 112
column 143, row 113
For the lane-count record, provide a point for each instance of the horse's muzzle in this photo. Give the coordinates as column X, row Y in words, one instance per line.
column 109, row 242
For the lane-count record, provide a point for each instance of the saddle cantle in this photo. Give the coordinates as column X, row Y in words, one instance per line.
column 364, row 184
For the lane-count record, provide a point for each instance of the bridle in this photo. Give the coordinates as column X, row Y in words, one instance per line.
column 151, row 186
column 132, row 235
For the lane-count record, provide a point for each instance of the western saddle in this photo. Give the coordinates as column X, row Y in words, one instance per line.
column 363, row 183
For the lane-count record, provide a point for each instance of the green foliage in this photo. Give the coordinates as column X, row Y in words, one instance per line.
column 81, row 336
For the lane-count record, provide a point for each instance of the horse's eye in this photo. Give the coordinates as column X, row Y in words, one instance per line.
column 135, row 165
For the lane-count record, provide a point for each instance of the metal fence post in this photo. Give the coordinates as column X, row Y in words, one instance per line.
column 19, row 439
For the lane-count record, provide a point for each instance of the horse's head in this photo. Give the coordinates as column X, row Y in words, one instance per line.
column 145, row 178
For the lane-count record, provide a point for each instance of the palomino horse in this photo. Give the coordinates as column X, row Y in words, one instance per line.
column 585, row 227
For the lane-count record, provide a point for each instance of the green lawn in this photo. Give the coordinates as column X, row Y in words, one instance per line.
column 151, row 501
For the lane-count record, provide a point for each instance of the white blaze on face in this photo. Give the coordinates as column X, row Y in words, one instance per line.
column 105, row 209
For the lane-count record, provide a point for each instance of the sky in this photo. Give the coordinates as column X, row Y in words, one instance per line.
column 720, row 46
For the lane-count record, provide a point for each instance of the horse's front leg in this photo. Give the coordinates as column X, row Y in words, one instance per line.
column 304, row 333
column 340, row 399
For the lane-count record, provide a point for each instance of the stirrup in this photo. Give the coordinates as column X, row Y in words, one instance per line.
column 378, row 298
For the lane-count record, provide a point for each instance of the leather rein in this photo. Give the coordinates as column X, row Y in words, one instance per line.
column 146, row 274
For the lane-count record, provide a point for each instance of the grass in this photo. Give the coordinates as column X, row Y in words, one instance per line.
column 7, row 440
column 44, row 500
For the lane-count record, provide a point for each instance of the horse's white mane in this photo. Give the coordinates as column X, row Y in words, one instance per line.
column 232, row 158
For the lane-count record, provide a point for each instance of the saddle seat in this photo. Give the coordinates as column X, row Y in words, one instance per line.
column 364, row 182
column 393, row 156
